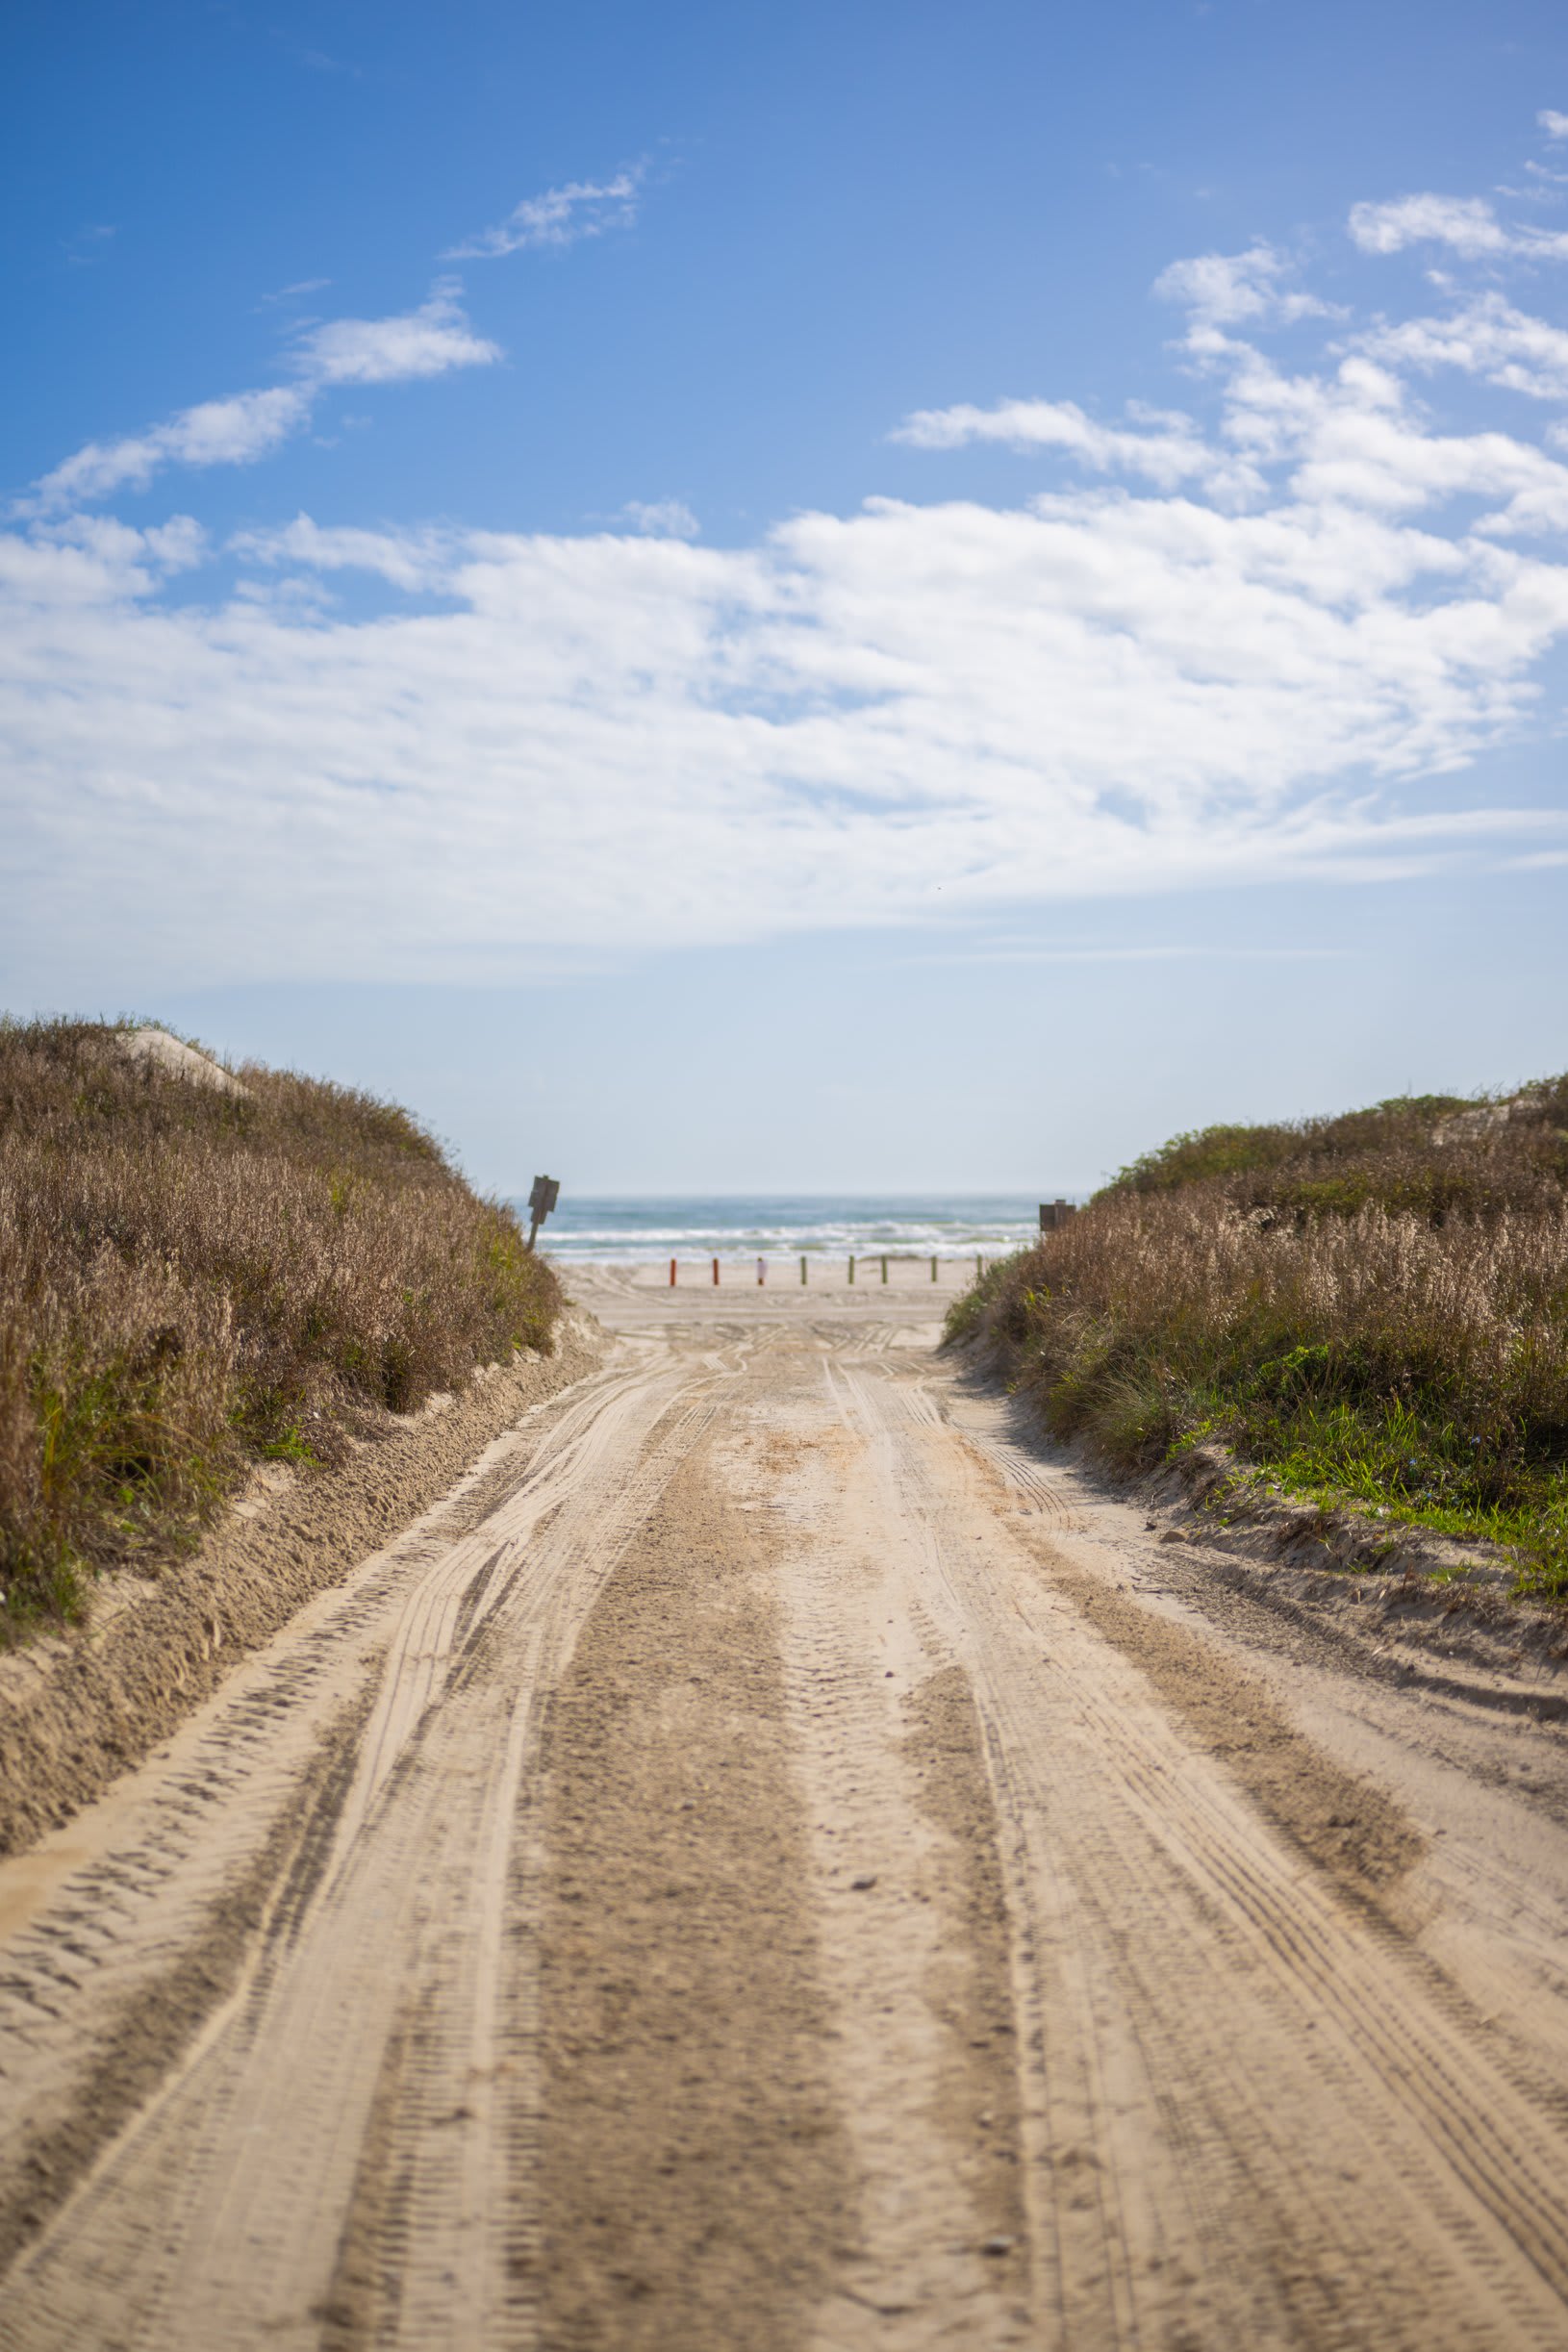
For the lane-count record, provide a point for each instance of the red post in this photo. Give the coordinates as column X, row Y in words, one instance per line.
column 716, row 1274
column 671, row 1273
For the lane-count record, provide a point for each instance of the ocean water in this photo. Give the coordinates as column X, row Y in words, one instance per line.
column 751, row 1224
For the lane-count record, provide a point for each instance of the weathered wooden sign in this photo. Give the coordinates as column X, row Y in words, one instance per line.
column 541, row 1200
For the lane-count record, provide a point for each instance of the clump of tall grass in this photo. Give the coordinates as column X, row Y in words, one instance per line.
column 192, row 1281
column 1371, row 1310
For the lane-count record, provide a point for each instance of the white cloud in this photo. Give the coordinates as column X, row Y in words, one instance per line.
column 1227, row 289
column 1162, row 445
column 1242, row 651
column 1352, row 439
column 410, row 560
column 1554, row 124
column 1487, row 338
column 560, row 216
column 246, row 426
column 428, row 341
column 231, row 432
column 608, row 742
column 662, row 517
column 93, row 560
column 1468, row 224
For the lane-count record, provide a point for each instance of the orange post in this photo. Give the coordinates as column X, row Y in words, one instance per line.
column 671, row 1273
column 716, row 1274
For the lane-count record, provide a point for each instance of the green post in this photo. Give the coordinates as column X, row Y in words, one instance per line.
column 851, row 1269
column 933, row 1269
column 884, row 1270
column 802, row 1272
column 979, row 1265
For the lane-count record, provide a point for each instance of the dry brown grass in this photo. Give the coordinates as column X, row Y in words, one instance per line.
column 191, row 1281
column 1373, row 1309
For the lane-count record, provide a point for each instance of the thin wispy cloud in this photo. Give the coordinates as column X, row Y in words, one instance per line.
column 1203, row 953
column 560, row 216
column 662, row 517
column 231, row 432
column 1468, row 225
column 246, row 426
column 295, row 292
column 1487, row 337
column 1163, row 445
column 90, row 244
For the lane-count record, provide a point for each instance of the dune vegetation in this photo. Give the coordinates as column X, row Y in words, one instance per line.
column 199, row 1277
column 1371, row 1311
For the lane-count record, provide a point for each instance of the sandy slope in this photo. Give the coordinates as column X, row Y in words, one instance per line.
column 802, row 1869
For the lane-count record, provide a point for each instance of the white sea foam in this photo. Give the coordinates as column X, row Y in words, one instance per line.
column 627, row 1231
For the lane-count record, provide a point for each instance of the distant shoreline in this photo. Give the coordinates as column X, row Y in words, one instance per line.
column 628, row 1229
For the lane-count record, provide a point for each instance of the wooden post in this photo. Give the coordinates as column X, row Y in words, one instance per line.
column 716, row 1274
column 933, row 1269
column 671, row 1273
column 884, row 1268
column 979, row 1265
column 542, row 1199
column 851, row 1269
column 802, row 1270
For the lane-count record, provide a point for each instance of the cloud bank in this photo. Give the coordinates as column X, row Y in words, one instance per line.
column 1206, row 647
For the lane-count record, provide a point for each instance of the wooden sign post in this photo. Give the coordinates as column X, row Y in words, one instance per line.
column 541, row 1200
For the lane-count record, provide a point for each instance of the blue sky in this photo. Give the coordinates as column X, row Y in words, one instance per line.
column 842, row 597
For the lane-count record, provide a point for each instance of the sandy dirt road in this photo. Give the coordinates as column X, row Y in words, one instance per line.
column 777, row 1862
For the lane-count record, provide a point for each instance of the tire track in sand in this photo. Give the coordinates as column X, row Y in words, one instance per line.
column 906, row 1885
column 1221, row 2058
column 694, row 2170
column 220, row 2216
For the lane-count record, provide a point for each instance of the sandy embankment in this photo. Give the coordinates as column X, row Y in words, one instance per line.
column 76, row 1709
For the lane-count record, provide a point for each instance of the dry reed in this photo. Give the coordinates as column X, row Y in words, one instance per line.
column 1373, row 1309
column 192, row 1281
